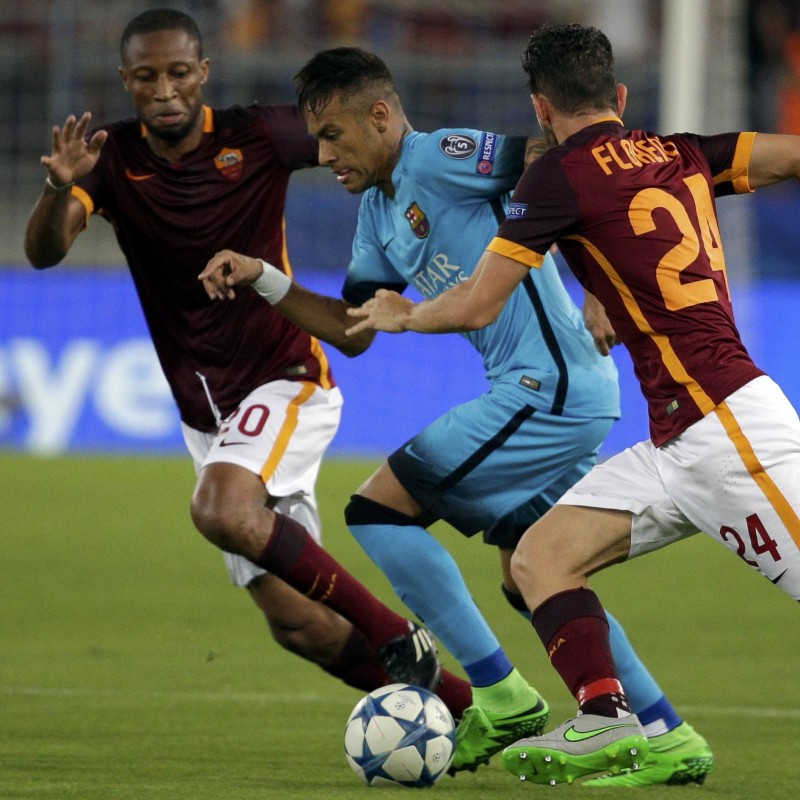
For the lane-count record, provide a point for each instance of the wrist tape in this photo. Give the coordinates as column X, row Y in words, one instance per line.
column 272, row 284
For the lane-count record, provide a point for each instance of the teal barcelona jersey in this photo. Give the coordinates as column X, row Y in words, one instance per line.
column 452, row 190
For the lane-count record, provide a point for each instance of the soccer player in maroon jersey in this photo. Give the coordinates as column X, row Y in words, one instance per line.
column 257, row 400
column 633, row 213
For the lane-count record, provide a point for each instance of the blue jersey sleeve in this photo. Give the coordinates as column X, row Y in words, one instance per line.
column 459, row 163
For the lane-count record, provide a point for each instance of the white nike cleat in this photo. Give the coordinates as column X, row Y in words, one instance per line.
column 581, row 746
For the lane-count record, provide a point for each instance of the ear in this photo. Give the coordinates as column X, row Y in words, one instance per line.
column 542, row 108
column 205, row 66
column 123, row 74
column 379, row 115
column 622, row 98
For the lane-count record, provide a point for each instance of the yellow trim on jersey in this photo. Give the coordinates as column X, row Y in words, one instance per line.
column 287, row 267
column 324, row 366
column 741, row 163
column 516, row 252
column 739, row 172
column 773, row 494
column 668, row 355
column 286, row 431
column 87, row 202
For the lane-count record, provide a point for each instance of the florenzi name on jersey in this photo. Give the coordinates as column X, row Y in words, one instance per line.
column 617, row 154
column 437, row 276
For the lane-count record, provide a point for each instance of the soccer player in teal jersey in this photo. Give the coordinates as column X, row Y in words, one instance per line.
column 432, row 202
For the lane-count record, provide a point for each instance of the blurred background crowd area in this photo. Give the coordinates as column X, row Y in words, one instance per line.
column 456, row 62
column 77, row 371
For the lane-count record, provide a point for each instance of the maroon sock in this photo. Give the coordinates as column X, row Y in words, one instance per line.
column 293, row 555
column 573, row 628
column 357, row 664
column 456, row 693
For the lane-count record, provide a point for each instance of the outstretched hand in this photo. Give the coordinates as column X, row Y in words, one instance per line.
column 228, row 269
column 388, row 311
column 73, row 156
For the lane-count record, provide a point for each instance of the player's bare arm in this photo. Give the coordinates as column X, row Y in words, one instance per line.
column 467, row 306
column 57, row 217
column 597, row 323
column 321, row 316
column 775, row 157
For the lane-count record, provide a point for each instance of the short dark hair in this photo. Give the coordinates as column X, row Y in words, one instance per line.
column 573, row 66
column 161, row 19
column 346, row 71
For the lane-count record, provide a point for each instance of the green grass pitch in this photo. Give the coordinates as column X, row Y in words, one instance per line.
column 131, row 670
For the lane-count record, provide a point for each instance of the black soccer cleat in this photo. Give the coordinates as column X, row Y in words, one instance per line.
column 412, row 658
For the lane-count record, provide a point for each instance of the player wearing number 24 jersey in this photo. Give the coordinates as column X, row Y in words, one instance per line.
column 634, row 215
column 666, row 290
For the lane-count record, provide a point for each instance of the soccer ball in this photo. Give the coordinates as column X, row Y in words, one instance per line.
column 400, row 735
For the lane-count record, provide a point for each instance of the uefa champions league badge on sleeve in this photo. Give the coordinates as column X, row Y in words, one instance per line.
column 458, row 145
column 486, row 153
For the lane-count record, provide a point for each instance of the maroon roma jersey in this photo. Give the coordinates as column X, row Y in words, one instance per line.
column 633, row 213
column 170, row 219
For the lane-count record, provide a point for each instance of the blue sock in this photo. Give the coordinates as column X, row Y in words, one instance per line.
column 647, row 699
column 428, row 580
column 489, row 670
column 659, row 718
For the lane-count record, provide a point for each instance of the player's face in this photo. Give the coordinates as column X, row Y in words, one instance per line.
column 164, row 75
column 354, row 144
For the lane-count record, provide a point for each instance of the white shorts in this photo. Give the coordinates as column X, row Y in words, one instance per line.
column 735, row 475
column 280, row 432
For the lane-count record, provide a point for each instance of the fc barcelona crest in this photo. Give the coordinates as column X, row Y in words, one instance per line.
column 418, row 221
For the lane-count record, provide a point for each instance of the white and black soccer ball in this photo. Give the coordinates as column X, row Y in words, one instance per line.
column 400, row 735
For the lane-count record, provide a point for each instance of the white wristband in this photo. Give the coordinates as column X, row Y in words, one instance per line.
column 272, row 284
column 56, row 186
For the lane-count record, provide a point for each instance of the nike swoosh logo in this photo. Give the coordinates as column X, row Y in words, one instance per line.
column 775, row 580
column 571, row 735
column 411, row 453
column 223, row 443
column 131, row 176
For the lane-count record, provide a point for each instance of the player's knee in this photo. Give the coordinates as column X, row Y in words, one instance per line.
column 221, row 520
column 520, row 567
column 363, row 511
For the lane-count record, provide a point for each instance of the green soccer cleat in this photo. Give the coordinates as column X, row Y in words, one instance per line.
column 581, row 746
column 483, row 733
column 676, row 758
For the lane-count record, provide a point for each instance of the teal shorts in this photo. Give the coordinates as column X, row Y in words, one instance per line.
column 497, row 463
